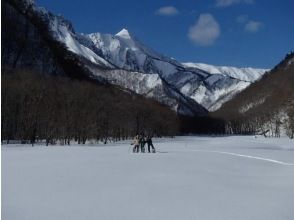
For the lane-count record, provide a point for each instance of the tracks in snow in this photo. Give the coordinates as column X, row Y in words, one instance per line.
column 247, row 156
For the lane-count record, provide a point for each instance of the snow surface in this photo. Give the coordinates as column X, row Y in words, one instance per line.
column 245, row 74
column 124, row 33
column 126, row 52
column 135, row 81
column 290, row 62
column 204, row 178
column 73, row 45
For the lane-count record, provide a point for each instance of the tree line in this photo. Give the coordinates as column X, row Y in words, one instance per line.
column 58, row 109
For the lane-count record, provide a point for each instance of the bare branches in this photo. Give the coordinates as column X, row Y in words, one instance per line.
column 49, row 108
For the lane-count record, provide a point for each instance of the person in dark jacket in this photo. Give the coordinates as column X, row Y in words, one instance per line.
column 142, row 143
column 150, row 144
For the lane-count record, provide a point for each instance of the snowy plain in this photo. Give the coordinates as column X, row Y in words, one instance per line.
column 205, row 178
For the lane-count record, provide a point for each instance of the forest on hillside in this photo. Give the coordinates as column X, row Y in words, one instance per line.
column 53, row 108
column 265, row 107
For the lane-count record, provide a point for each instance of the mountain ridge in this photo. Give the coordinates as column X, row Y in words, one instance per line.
column 154, row 63
column 103, row 56
column 266, row 106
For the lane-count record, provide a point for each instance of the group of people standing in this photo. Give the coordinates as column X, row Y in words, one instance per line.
column 139, row 144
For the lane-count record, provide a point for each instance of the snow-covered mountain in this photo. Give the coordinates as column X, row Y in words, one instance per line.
column 244, row 74
column 123, row 60
column 223, row 83
column 126, row 52
column 208, row 85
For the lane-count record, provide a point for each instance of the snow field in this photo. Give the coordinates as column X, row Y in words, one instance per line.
column 189, row 178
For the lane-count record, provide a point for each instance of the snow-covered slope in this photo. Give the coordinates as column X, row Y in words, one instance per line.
column 123, row 60
column 152, row 86
column 245, row 74
column 126, row 52
column 223, row 83
column 208, row 85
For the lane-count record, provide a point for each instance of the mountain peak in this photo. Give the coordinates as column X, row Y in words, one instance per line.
column 124, row 33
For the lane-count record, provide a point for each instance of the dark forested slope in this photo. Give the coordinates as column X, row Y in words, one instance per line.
column 44, row 107
column 267, row 105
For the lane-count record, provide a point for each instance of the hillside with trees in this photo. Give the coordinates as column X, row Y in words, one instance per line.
column 266, row 107
column 54, row 108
